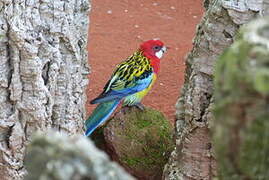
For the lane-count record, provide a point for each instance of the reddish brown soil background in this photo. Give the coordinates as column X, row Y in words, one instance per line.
column 118, row 27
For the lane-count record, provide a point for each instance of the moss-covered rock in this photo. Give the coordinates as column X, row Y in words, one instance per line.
column 241, row 128
column 140, row 140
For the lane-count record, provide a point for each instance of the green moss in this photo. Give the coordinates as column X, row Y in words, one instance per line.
column 132, row 161
column 153, row 131
column 98, row 138
column 254, row 156
column 261, row 82
column 145, row 142
column 143, row 123
column 241, row 126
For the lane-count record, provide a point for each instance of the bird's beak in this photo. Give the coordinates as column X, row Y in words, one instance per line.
column 164, row 49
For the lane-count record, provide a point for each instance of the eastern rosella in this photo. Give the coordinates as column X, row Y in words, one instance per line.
column 130, row 82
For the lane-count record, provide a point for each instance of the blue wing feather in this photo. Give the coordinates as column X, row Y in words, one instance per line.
column 100, row 115
column 112, row 94
column 130, row 77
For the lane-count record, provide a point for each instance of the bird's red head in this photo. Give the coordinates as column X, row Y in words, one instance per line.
column 153, row 48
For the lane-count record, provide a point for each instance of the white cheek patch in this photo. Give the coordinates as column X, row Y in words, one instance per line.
column 159, row 54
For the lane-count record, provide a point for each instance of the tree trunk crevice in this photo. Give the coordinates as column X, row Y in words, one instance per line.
column 216, row 32
column 43, row 73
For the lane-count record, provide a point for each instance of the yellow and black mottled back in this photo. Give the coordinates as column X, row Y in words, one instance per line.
column 135, row 65
column 128, row 74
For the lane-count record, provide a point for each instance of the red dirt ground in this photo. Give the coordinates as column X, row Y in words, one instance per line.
column 118, row 27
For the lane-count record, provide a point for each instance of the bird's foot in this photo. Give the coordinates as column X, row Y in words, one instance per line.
column 140, row 106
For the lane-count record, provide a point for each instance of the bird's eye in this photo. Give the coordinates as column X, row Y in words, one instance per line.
column 157, row 48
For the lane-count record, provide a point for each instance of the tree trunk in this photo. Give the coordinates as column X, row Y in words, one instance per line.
column 193, row 157
column 56, row 156
column 43, row 73
column 241, row 126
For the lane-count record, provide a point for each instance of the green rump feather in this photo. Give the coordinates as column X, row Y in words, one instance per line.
column 99, row 115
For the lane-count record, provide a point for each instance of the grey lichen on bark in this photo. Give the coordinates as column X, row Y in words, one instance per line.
column 43, row 73
column 57, row 156
column 241, row 126
column 193, row 157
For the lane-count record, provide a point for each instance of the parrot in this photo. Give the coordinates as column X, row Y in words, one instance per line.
column 130, row 82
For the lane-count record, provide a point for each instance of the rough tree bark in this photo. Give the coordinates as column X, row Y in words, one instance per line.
column 193, row 157
column 57, row 156
column 43, row 73
column 241, row 126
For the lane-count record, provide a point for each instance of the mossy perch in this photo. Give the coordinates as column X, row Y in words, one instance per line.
column 241, row 128
column 140, row 140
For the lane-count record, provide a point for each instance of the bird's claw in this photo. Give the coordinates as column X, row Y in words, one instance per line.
column 140, row 106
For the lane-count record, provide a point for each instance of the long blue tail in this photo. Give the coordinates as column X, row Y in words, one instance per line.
column 100, row 115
